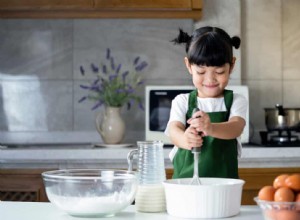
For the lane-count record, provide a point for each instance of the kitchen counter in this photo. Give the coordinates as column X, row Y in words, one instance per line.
column 47, row 211
column 91, row 156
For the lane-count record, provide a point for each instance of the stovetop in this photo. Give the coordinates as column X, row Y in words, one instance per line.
column 280, row 138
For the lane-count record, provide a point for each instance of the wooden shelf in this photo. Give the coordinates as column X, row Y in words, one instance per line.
column 101, row 9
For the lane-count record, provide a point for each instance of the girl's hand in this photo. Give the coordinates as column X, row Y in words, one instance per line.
column 191, row 138
column 201, row 122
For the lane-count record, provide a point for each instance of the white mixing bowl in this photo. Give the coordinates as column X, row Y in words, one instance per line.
column 214, row 198
column 90, row 192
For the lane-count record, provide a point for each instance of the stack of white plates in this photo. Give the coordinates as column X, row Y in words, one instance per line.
column 150, row 198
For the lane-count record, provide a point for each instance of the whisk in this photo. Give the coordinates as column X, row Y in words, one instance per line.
column 196, row 151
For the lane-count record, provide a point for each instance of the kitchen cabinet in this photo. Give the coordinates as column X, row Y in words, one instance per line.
column 101, row 9
column 27, row 184
column 22, row 185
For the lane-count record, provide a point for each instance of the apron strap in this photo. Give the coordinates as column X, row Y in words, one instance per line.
column 192, row 103
column 228, row 98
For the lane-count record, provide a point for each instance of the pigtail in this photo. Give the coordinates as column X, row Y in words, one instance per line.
column 236, row 42
column 182, row 37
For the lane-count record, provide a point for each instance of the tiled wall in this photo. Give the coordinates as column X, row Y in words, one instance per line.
column 40, row 59
column 271, row 55
column 40, row 76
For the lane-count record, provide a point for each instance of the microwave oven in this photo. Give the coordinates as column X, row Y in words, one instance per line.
column 158, row 105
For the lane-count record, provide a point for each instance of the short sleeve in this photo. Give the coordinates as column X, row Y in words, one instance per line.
column 239, row 106
column 178, row 110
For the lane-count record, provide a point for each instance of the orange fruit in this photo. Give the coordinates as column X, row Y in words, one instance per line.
column 297, row 199
column 293, row 182
column 266, row 193
column 279, row 181
column 284, row 194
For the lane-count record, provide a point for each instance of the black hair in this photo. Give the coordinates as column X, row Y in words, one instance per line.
column 209, row 46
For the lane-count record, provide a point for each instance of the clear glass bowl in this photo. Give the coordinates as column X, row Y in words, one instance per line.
column 90, row 192
column 279, row 210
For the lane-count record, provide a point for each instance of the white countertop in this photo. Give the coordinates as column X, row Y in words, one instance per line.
column 88, row 156
column 47, row 211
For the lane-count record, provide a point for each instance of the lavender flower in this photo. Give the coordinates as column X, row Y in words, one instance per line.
column 130, row 90
column 120, row 90
column 112, row 77
column 96, row 81
column 141, row 66
column 118, row 68
column 112, row 63
column 98, row 104
column 82, row 99
column 124, row 75
column 84, row 87
column 136, row 60
column 104, row 69
column 130, row 103
column 112, row 88
column 94, row 68
column 140, row 82
column 82, row 70
column 141, row 106
column 108, row 54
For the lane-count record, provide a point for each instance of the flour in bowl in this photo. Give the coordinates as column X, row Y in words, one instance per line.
column 92, row 205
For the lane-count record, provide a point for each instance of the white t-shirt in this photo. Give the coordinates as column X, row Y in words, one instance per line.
column 180, row 106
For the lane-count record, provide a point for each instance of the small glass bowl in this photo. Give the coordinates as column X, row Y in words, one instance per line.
column 279, row 210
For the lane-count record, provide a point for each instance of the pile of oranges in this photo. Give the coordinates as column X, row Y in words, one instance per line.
column 285, row 188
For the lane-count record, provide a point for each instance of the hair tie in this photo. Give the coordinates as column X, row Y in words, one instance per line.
column 236, row 42
column 185, row 38
column 182, row 37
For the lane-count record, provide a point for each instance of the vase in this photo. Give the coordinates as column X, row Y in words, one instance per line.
column 110, row 125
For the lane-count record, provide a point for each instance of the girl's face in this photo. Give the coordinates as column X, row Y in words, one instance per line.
column 210, row 80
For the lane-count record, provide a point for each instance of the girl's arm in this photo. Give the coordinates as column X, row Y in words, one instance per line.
column 228, row 130
column 184, row 138
column 224, row 130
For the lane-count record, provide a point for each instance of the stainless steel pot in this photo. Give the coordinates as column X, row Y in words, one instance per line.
column 280, row 118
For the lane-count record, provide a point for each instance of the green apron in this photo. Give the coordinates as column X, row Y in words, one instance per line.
column 218, row 157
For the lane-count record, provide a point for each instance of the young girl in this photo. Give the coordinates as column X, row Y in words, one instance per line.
column 216, row 128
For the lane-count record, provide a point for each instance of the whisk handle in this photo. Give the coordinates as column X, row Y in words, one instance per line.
column 196, row 149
